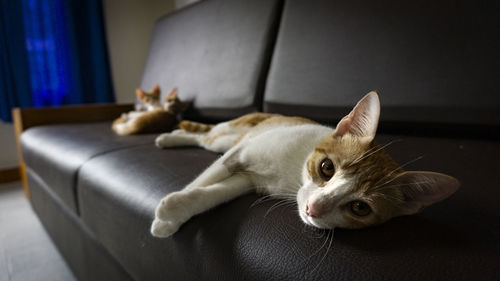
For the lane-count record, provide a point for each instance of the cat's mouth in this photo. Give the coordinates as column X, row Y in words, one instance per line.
column 312, row 221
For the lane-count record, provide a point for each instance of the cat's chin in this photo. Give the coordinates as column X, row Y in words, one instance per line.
column 312, row 222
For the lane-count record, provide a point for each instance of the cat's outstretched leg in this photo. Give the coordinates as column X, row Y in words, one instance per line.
column 178, row 138
column 178, row 207
column 220, row 139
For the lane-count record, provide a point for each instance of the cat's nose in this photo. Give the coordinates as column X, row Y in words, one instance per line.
column 312, row 211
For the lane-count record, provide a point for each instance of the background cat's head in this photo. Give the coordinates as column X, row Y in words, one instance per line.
column 351, row 182
column 149, row 100
column 173, row 104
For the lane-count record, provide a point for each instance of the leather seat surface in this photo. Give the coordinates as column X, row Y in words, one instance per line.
column 56, row 152
column 245, row 239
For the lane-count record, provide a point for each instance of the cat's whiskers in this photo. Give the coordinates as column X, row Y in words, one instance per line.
column 261, row 200
column 279, row 204
column 382, row 185
column 330, row 236
column 313, row 232
column 271, row 197
column 403, row 184
column 392, row 198
column 404, row 165
column 370, row 151
column 323, row 232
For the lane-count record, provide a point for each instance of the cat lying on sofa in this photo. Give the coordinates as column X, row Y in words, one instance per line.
column 150, row 116
column 337, row 177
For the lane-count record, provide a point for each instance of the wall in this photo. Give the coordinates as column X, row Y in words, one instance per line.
column 129, row 24
column 8, row 152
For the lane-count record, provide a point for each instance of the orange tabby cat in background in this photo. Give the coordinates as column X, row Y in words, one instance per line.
column 150, row 116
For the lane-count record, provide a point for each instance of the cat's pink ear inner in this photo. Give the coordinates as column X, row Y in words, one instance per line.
column 422, row 189
column 156, row 89
column 172, row 93
column 140, row 93
column 362, row 121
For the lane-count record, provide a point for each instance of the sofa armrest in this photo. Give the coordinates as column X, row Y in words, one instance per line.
column 25, row 118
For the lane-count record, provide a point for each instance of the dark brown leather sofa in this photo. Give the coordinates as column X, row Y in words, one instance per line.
column 436, row 66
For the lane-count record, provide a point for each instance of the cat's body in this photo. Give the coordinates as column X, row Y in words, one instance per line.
column 150, row 116
column 335, row 176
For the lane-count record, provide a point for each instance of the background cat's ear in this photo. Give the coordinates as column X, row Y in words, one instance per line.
column 172, row 93
column 422, row 189
column 362, row 121
column 184, row 106
column 156, row 89
column 140, row 93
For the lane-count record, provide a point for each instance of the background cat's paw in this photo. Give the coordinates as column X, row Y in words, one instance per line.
column 163, row 229
column 178, row 132
column 174, row 139
column 160, row 140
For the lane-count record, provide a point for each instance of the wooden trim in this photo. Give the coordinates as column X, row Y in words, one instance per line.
column 18, row 129
column 31, row 117
column 25, row 118
column 10, row 175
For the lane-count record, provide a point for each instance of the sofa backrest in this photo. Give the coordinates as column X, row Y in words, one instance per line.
column 217, row 53
column 434, row 63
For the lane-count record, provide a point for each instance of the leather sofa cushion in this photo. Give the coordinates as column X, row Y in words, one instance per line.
column 216, row 52
column 453, row 240
column 434, row 62
column 56, row 152
column 82, row 252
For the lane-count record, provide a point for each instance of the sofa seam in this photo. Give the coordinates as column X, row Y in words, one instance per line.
column 77, row 172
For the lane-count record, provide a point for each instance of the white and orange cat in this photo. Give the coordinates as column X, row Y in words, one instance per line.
column 338, row 177
column 150, row 116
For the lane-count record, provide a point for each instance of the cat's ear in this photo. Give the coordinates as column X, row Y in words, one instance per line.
column 422, row 189
column 184, row 106
column 362, row 121
column 172, row 93
column 156, row 89
column 140, row 93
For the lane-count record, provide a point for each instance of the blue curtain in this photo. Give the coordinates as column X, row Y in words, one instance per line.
column 59, row 54
column 14, row 71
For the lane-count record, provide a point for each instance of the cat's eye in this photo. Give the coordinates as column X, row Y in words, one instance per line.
column 327, row 169
column 360, row 208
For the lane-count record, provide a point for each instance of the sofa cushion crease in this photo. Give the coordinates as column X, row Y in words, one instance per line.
column 56, row 152
column 83, row 253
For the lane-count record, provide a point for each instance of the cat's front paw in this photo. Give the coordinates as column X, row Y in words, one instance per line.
column 173, row 207
column 163, row 229
column 161, row 141
column 178, row 132
column 177, row 138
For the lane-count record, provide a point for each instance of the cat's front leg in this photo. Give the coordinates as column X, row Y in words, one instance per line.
column 177, row 138
column 178, row 207
column 124, row 117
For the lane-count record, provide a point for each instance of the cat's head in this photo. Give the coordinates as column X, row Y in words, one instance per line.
column 351, row 182
column 149, row 100
column 173, row 104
